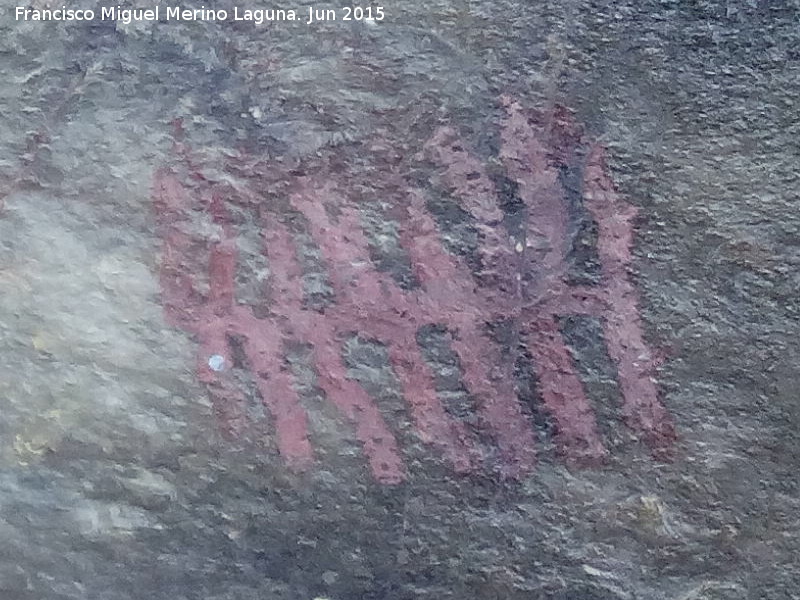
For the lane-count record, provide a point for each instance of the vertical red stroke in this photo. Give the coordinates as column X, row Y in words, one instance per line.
column 184, row 297
column 465, row 177
column 265, row 348
column 622, row 325
column 529, row 162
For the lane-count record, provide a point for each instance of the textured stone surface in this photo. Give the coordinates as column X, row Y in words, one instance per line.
column 119, row 480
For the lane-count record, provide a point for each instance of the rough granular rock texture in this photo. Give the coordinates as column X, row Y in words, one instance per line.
column 163, row 184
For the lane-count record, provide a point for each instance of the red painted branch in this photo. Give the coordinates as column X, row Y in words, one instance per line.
column 521, row 281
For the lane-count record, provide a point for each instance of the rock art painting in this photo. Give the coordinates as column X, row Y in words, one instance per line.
column 519, row 278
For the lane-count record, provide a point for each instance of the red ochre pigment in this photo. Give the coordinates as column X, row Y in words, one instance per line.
column 521, row 281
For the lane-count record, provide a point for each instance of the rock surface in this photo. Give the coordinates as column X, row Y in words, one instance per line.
column 119, row 480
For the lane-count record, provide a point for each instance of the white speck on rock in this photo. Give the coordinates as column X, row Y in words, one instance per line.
column 216, row 362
